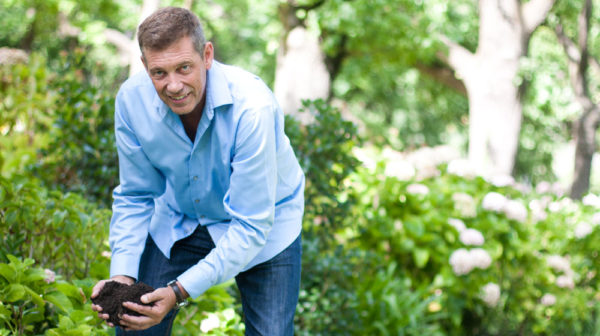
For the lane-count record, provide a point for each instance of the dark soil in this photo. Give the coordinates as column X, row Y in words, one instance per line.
column 114, row 293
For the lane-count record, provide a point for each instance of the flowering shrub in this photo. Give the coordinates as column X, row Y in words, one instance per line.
column 502, row 258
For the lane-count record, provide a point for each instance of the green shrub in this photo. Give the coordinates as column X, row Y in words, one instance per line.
column 212, row 313
column 63, row 232
column 65, row 120
column 324, row 150
column 34, row 301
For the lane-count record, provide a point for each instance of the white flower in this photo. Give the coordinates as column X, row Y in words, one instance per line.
column 502, row 180
column 458, row 224
column 591, row 200
column 400, row 169
column 565, row 204
column 565, row 281
column 427, row 172
column 491, row 294
column 596, row 218
column 494, row 201
column 465, row 204
column 365, row 156
column 209, row 323
column 464, row 261
column 417, row 188
column 558, row 263
column 480, row 258
column 460, row 260
column 543, row 187
column 461, row 167
column 471, row 237
column 515, row 210
column 582, row 230
column 538, row 210
column 50, row 276
column 548, row 299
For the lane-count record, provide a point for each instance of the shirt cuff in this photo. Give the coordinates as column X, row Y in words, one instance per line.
column 196, row 280
column 125, row 265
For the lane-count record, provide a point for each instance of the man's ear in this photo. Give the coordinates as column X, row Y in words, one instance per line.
column 209, row 54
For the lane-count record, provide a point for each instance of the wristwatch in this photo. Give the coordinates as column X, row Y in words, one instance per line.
column 178, row 295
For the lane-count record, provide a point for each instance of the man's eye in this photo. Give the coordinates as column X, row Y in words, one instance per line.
column 158, row 73
column 185, row 67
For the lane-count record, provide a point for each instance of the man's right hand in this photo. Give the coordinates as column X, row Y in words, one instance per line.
column 98, row 287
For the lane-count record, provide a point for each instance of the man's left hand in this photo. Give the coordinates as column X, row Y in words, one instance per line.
column 164, row 300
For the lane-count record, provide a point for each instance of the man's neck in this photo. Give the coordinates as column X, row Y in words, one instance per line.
column 191, row 120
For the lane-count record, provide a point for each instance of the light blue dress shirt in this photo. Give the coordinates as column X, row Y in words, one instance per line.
column 239, row 177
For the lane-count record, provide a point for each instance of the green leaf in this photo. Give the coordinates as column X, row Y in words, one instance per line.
column 60, row 300
column 415, row 227
column 420, row 256
column 13, row 293
column 34, row 275
column 7, row 272
column 34, row 296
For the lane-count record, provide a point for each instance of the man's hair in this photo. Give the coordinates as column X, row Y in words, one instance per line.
column 166, row 26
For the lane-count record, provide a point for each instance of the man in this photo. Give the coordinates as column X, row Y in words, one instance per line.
column 210, row 188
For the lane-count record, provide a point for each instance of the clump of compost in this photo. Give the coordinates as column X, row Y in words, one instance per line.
column 114, row 293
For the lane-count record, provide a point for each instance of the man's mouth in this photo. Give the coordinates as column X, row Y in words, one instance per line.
column 178, row 99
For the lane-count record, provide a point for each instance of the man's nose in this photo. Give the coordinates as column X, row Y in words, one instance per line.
column 174, row 84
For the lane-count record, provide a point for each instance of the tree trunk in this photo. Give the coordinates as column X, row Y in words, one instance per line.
column 490, row 74
column 585, row 140
column 301, row 71
column 586, row 125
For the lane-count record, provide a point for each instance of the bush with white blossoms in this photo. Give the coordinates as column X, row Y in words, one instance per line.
column 512, row 209
column 582, row 230
column 458, row 224
column 463, row 261
column 559, row 263
column 491, row 294
column 451, row 240
column 565, row 281
column 494, row 201
column 417, row 189
column 465, row 204
column 548, row 299
column 471, row 237
column 591, row 200
column 515, row 210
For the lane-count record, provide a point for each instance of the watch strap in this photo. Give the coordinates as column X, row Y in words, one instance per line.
column 178, row 295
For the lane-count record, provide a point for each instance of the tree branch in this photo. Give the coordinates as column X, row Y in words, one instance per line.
column 120, row 40
column 569, row 46
column 443, row 75
column 459, row 57
column 534, row 13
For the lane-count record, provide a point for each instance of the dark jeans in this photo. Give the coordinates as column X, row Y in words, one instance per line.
column 269, row 290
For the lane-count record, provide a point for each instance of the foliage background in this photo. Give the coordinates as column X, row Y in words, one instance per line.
column 381, row 194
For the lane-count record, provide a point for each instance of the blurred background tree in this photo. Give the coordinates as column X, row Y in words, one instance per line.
column 379, row 75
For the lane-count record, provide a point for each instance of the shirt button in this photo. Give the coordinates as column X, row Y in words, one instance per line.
column 195, row 178
column 197, row 201
column 202, row 216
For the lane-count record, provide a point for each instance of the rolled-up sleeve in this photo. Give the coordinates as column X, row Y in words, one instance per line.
column 250, row 201
column 133, row 204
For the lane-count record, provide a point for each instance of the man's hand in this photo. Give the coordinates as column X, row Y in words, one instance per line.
column 164, row 300
column 98, row 287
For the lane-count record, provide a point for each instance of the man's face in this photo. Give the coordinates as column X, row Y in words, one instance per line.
column 179, row 74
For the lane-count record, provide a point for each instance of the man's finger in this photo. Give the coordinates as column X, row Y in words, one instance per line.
column 97, row 288
column 144, row 310
column 135, row 322
column 151, row 297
